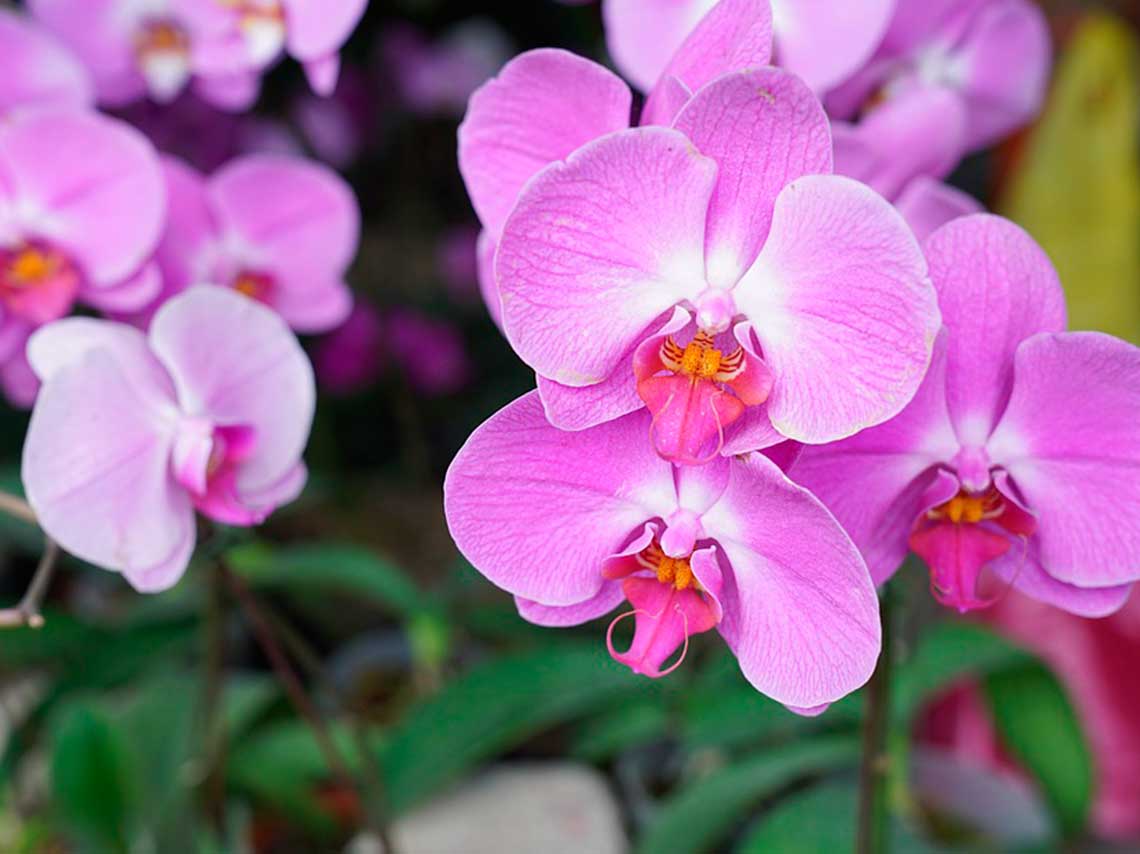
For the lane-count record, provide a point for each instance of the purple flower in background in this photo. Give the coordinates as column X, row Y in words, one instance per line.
column 351, row 357
column 1016, row 462
column 949, row 78
column 338, row 128
column 38, row 70
column 821, row 41
column 573, row 524
column 927, row 205
column 131, row 433
column 546, row 103
column 438, row 77
column 81, row 209
column 282, row 230
column 430, row 352
column 711, row 273
column 206, row 137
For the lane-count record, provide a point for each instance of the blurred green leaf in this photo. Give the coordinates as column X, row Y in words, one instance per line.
column 701, row 814
column 1038, row 724
column 493, row 707
column 91, row 778
column 247, row 697
column 608, row 734
column 946, row 652
column 328, row 568
column 820, row 820
column 1077, row 190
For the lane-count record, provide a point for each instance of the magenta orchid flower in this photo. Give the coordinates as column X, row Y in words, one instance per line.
column 714, row 273
column 1015, row 463
column 280, row 229
column 131, row 433
column 949, row 78
column 573, row 524
column 546, row 103
column 821, row 41
column 81, row 209
column 927, row 205
column 38, row 70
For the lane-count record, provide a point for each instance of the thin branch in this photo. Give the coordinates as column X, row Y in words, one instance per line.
column 17, row 507
column 285, row 673
column 27, row 613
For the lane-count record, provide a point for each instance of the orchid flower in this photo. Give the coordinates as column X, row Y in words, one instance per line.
column 574, row 524
column 131, row 433
column 821, row 41
column 949, row 78
column 715, row 273
column 38, row 70
column 81, row 210
column 1015, row 463
column 280, row 229
column 544, row 104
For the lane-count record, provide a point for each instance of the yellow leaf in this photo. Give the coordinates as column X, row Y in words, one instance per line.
column 1077, row 189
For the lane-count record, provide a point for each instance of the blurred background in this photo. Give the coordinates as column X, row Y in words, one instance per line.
column 360, row 682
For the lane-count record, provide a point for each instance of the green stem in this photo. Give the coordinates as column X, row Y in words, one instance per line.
column 874, row 772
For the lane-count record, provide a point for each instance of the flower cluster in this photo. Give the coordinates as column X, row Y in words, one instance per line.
column 191, row 392
column 774, row 353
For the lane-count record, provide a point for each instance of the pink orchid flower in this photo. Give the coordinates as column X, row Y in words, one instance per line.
column 81, row 209
column 1014, row 464
column 716, row 274
column 546, row 103
column 821, row 41
column 927, row 205
column 949, row 78
column 280, row 229
column 153, row 48
column 38, row 70
column 573, row 524
column 131, row 433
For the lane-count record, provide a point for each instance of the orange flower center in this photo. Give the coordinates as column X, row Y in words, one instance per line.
column 669, row 570
column 701, row 360
column 970, row 508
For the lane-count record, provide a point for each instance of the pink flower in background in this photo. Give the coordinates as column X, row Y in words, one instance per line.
column 351, row 357
column 338, row 128
column 927, row 205
column 573, row 524
column 1015, row 463
column 821, row 41
column 38, row 70
column 714, row 273
column 153, row 48
column 949, row 78
column 438, row 77
column 310, row 31
column 282, row 230
column 546, row 103
column 131, row 433
column 1095, row 661
column 81, row 208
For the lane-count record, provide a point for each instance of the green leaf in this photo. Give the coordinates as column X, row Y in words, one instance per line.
column 91, row 778
column 1038, row 724
column 328, row 568
column 701, row 814
column 606, row 735
column 820, row 820
column 949, row 651
column 1077, row 189
column 495, row 706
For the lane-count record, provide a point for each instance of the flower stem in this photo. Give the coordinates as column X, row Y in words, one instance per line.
column 27, row 612
column 874, row 772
